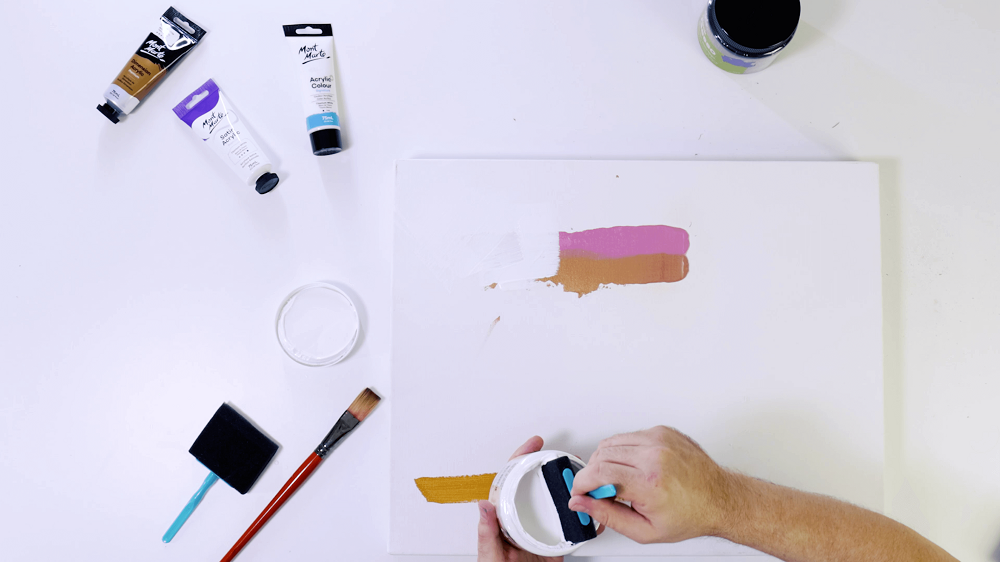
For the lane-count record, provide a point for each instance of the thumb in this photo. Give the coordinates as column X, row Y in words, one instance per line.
column 615, row 515
column 490, row 543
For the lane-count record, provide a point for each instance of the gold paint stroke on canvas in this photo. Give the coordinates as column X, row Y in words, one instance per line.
column 456, row 489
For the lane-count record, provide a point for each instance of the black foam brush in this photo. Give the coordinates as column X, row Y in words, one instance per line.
column 232, row 449
column 558, row 474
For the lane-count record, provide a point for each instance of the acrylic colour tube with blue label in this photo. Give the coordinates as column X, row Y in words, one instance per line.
column 312, row 51
column 211, row 116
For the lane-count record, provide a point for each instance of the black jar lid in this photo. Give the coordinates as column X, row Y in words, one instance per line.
column 754, row 28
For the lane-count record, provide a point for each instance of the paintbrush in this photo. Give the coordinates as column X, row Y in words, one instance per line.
column 355, row 414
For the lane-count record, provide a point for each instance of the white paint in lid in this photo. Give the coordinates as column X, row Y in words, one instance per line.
column 317, row 324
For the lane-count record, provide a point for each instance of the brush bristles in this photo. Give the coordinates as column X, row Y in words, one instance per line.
column 363, row 404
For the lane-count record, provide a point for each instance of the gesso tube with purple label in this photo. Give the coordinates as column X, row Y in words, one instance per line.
column 211, row 116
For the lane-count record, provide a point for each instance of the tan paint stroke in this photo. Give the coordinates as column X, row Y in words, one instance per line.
column 584, row 274
column 456, row 489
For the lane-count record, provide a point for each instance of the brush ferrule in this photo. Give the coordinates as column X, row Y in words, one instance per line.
column 344, row 425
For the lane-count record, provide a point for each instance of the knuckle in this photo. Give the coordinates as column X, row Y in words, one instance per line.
column 606, row 517
column 660, row 433
column 660, row 456
column 608, row 452
column 664, row 432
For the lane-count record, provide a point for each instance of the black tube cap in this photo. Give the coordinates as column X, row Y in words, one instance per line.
column 326, row 141
column 110, row 111
column 266, row 182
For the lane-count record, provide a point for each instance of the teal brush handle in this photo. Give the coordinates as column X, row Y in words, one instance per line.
column 189, row 508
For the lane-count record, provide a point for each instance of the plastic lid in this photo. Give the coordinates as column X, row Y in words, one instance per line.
column 326, row 141
column 109, row 111
column 317, row 324
column 756, row 26
column 266, row 182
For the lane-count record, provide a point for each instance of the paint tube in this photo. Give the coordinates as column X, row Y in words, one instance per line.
column 312, row 51
column 172, row 37
column 211, row 116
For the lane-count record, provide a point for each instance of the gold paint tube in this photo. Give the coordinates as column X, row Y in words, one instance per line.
column 171, row 39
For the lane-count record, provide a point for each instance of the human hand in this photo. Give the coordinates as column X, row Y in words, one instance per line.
column 492, row 545
column 677, row 492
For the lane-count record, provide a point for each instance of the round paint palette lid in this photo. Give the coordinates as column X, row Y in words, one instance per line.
column 317, row 324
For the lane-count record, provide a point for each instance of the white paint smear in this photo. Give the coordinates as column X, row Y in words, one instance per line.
column 515, row 243
column 538, row 238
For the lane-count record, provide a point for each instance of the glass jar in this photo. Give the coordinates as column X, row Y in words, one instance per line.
column 743, row 36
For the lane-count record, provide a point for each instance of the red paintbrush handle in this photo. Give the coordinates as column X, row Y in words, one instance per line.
column 281, row 497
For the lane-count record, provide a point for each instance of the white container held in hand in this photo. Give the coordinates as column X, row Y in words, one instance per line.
column 211, row 116
column 526, row 501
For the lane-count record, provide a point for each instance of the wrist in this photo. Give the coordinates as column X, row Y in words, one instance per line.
column 735, row 506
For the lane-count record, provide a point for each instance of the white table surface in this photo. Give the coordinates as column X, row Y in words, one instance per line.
column 139, row 279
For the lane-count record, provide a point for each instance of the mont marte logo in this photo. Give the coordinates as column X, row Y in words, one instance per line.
column 212, row 120
column 313, row 53
column 154, row 49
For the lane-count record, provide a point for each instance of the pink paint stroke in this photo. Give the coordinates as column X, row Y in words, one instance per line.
column 624, row 241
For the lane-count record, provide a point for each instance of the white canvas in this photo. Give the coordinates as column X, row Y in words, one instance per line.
column 769, row 352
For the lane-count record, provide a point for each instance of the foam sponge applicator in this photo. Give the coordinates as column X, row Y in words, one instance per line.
column 558, row 474
column 232, row 449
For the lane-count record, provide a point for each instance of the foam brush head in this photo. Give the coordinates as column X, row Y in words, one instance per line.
column 232, row 448
column 573, row 526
